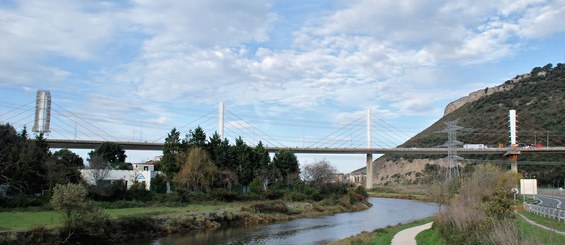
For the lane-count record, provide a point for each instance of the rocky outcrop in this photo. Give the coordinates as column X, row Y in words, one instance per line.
column 474, row 96
column 402, row 171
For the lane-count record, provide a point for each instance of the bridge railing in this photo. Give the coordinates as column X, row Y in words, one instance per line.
column 552, row 213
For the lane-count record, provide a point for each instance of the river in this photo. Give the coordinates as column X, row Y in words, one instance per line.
column 317, row 230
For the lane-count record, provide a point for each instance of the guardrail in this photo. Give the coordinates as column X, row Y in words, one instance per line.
column 552, row 213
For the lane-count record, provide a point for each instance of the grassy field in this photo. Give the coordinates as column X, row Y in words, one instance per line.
column 26, row 220
column 20, row 220
column 380, row 236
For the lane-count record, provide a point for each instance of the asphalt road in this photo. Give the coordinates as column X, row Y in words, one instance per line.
column 552, row 201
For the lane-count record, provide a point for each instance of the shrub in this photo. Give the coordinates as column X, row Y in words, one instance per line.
column 295, row 196
column 137, row 191
column 361, row 191
column 273, row 194
column 224, row 195
column 271, row 207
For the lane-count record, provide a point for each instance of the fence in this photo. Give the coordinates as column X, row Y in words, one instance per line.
column 553, row 213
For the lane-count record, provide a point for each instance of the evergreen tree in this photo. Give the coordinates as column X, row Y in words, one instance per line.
column 196, row 138
column 287, row 164
column 172, row 147
column 244, row 160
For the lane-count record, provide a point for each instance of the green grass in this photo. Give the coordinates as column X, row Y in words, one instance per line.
column 551, row 223
column 385, row 237
column 24, row 220
column 538, row 235
column 380, row 236
column 430, row 237
column 19, row 220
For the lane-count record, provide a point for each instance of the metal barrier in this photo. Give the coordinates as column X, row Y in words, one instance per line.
column 552, row 213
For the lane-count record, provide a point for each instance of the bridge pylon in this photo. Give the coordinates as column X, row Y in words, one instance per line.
column 369, row 175
column 513, row 153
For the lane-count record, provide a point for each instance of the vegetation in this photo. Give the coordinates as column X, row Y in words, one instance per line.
column 537, row 97
column 197, row 169
column 380, row 236
column 430, row 237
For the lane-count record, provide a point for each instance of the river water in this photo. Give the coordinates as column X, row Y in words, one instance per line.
column 318, row 230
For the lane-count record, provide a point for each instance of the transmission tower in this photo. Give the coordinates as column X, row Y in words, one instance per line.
column 452, row 144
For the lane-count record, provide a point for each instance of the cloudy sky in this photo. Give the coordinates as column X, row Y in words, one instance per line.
column 289, row 72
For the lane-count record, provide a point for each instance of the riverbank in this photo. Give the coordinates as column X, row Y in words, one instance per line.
column 134, row 223
column 380, row 236
column 415, row 192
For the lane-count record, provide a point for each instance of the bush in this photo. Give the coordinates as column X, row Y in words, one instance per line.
column 137, row 191
column 250, row 197
column 225, row 195
column 295, row 196
column 273, row 194
column 271, row 207
column 23, row 201
column 159, row 184
column 361, row 191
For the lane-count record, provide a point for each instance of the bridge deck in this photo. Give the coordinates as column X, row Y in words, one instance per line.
column 93, row 144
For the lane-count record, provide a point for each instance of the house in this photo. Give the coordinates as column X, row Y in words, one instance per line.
column 357, row 177
column 141, row 172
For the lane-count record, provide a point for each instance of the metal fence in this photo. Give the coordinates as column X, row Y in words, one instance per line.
column 552, row 213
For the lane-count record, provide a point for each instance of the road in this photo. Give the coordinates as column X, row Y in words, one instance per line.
column 552, row 201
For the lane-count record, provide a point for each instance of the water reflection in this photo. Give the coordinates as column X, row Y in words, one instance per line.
column 310, row 231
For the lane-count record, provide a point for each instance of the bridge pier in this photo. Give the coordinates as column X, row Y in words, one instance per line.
column 369, row 175
column 514, row 163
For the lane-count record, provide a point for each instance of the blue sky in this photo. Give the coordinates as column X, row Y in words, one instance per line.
column 294, row 70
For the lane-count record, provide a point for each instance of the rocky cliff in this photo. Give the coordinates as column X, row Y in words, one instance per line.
column 402, row 171
column 474, row 96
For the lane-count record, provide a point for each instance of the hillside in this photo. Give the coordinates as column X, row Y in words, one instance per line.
column 539, row 99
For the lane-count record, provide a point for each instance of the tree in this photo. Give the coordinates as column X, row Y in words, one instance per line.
column 111, row 153
column 265, row 169
column 171, row 150
column 219, row 150
column 196, row 138
column 197, row 170
column 63, row 167
column 441, row 192
column 319, row 173
column 22, row 167
column 229, row 178
column 287, row 164
column 245, row 162
column 71, row 200
column 98, row 170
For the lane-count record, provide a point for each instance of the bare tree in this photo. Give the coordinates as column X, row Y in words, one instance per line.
column 197, row 170
column 97, row 170
column 229, row 178
column 319, row 173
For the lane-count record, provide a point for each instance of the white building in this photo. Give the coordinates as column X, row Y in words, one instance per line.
column 142, row 172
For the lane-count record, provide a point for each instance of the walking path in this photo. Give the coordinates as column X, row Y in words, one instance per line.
column 539, row 225
column 408, row 236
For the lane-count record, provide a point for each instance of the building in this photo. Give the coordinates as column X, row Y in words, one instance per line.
column 141, row 172
column 357, row 177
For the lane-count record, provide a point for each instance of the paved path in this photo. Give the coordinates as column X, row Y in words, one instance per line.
column 408, row 236
column 539, row 225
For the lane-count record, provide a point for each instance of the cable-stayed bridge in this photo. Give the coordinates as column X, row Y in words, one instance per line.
column 363, row 134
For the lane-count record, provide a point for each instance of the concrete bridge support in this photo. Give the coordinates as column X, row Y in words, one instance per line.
column 369, row 175
column 514, row 163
